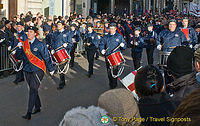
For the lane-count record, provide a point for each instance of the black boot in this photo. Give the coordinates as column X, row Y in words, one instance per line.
column 27, row 116
column 36, row 111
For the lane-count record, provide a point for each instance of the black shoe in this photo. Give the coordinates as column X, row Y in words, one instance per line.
column 15, row 82
column 36, row 111
column 89, row 75
column 71, row 65
column 60, row 87
column 27, row 116
column 21, row 80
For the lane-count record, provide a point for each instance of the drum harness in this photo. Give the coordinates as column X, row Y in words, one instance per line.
column 15, row 65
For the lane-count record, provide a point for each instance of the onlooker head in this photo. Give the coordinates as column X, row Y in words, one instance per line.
column 188, row 111
column 91, row 116
column 179, row 62
column 153, row 100
column 120, row 103
column 149, row 81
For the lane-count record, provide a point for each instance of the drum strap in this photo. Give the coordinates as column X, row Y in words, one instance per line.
column 106, row 30
column 32, row 58
column 119, row 31
column 130, row 27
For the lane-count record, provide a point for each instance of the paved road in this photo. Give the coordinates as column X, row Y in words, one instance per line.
column 79, row 91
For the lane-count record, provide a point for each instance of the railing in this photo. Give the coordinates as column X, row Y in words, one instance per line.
column 5, row 63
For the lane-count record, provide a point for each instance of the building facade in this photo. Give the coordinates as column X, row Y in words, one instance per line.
column 64, row 7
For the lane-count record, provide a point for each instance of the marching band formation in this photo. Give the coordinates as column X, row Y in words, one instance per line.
column 38, row 45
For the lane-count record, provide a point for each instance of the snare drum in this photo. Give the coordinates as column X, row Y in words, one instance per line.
column 163, row 58
column 116, row 59
column 61, row 56
column 17, row 64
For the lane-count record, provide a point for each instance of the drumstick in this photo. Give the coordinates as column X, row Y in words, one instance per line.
column 172, row 47
column 116, row 48
column 13, row 48
column 60, row 47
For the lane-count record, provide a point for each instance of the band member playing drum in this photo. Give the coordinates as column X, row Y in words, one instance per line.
column 167, row 41
column 61, row 40
column 150, row 39
column 91, row 43
column 75, row 37
column 137, row 44
column 170, row 38
column 22, row 36
column 112, row 43
column 35, row 58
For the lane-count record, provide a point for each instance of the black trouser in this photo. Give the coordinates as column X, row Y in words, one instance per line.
column 97, row 53
column 137, row 56
column 72, row 53
column 90, row 58
column 19, row 76
column 149, row 52
column 62, row 76
column 33, row 79
column 112, row 80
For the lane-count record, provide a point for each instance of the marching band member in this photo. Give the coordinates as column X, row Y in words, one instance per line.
column 120, row 29
column 137, row 44
column 61, row 39
column 91, row 42
column 22, row 36
column 106, row 27
column 150, row 39
column 75, row 38
column 35, row 58
column 189, row 33
column 170, row 38
column 100, row 31
column 129, row 30
column 107, row 46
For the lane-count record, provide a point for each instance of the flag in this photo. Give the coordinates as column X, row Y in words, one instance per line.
column 195, row 9
column 129, row 82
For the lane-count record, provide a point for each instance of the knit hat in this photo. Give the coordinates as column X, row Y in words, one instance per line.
column 179, row 61
column 119, row 103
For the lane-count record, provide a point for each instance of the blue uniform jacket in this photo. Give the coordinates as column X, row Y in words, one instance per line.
column 128, row 30
column 150, row 35
column 110, row 42
column 92, row 38
column 39, row 49
column 59, row 38
column 140, row 46
column 75, row 34
column 48, row 38
column 169, row 40
column 22, row 35
column 193, row 36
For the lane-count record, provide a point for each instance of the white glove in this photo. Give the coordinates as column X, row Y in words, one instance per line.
column 20, row 45
column 99, row 37
column 88, row 44
column 9, row 48
column 52, row 52
column 52, row 72
column 136, row 44
column 65, row 45
column 122, row 44
column 103, row 51
column 47, row 45
column 14, row 51
column 191, row 46
column 159, row 47
column 131, row 42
